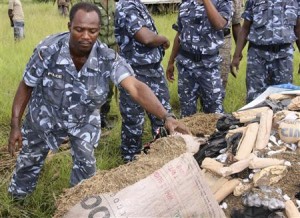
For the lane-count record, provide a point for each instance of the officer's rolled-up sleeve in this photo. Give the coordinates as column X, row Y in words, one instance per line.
column 34, row 70
column 121, row 70
column 248, row 13
column 225, row 9
column 133, row 21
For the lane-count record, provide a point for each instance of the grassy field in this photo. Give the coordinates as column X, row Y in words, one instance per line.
column 42, row 20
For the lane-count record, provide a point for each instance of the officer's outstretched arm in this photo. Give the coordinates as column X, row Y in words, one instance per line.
column 143, row 95
column 20, row 102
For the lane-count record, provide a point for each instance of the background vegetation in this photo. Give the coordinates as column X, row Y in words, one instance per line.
column 41, row 20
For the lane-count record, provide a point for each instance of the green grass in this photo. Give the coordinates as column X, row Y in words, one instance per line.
column 40, row 21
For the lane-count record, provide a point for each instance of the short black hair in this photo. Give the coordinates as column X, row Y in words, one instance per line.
column 85, row 6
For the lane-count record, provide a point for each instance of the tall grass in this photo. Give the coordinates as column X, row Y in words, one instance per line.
column 40, row 21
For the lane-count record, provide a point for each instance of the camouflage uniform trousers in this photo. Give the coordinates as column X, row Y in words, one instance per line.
column 133, row 116
column 225, row 53
column 262, row 73
column 203, row 83
column 34, row 152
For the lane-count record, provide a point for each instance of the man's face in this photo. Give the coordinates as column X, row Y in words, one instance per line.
column 84, row 31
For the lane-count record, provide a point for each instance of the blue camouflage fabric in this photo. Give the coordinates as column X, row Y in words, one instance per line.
column 64, row 102
column 130, row 17
column 199, row 39
column 270, row 54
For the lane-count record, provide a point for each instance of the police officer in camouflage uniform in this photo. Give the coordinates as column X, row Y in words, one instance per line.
column 271, row 27
column 225, row 49
column 143, row 49
column 107, row 36
column 64, row 84
column 196, row 49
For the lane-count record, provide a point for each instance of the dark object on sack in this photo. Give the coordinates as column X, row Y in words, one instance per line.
column 212, row 147
column 297, row 195
column 227, row 121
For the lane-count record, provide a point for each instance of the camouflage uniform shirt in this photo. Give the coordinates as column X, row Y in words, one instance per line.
column 197, row 34
column 63, row 98
column 273, row 21
column 271, row 37
column 130, row 17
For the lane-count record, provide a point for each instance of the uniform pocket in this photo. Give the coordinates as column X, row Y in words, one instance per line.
column 97, row 91
column 53, row 88
column 260, row 11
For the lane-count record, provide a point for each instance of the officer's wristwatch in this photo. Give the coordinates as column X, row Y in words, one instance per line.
column 168, row 115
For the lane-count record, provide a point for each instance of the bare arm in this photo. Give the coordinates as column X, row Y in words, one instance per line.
column 151, row 39
column 20, row 102
column 11, row 15
column 143, row 95
column 214, row 17
column 297, row 33
column 174, row 53
column 236, row 28
column 241, row 42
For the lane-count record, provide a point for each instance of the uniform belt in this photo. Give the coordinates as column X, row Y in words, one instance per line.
column 190, row 55
column 226, row 32
column 271, row 48
column 194, row 57
column 154, row 66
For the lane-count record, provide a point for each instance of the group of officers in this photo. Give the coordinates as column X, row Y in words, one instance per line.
column 68, row 76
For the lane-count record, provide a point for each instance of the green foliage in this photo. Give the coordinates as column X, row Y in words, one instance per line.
column 42, row 20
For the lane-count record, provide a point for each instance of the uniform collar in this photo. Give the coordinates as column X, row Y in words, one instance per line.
column 64, row 57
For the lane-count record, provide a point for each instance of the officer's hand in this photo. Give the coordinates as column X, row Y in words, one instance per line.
column 170, row 72
column 14, row 141
column 234, row 67
column 173, row 125
column 233, row 71
column 166, row 45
